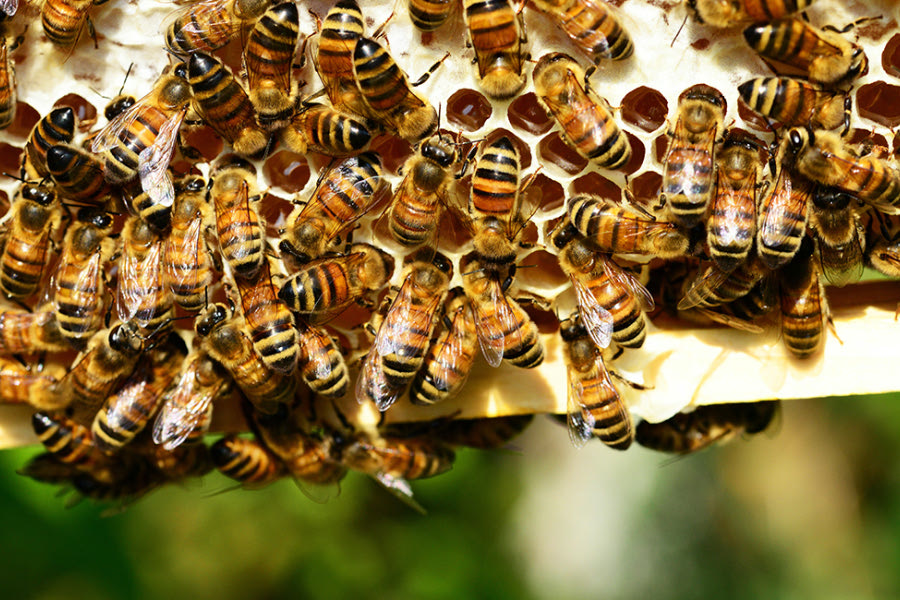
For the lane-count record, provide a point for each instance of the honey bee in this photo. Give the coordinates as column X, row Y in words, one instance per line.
column 823, row 54
column 505, row 331
column 611, row 301
column 269, row 56
column 803, row 304
column 706, row 425
column 428, row 15
column 794, row 102
column 689, row 172
column 449, row 359
column 486, row 434
column 236, row 198
column 497, row 34
column 392, row 462
column 822, row 157
column 715, row 286
column 187, row 256
column 77, row 284
column 344, row 194
column 594, row 405
column 247, row 461
column 7, row 85
column 840, row 235
column 325, row 287
column 415, row 208
column 270, row 322
column 731, row 225
column 70, row 442
column 17, row 380
column 592, row 25
column 883, row 252
column 63, row 20
column 617, row 228
column 23, row 332
column 209, row 24
column 404, row 334
column 320, row 362
column 34, row 215
column 141, row 293
column 586, row 121
column 783, row 214
column 55, row 128
column 320, row 128
column 186, row 407
column 387, row 94
column 727, row 13
column 78, row 175
column 342, row 27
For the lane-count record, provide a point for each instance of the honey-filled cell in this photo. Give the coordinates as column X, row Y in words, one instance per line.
column 85, row 112
column 645, row 107
column 527, row 115
column 554, row 150
column 890, row 56
column 468, row 110
column 880, row 102
column 287, row 170
column 26, row 118
column 597, row 185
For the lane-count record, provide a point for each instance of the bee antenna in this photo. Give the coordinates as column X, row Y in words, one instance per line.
column 16, row 177
column 677, row 33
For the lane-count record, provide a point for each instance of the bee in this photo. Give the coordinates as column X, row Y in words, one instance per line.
column 586, row 121
column 236, row 198
column 689, row 172
column 428, row 15
column 611, row 301
column 344, row 194
column 803, row 305
column 822, row 157
column 486, row 434
column 505, row 331
column 327, row 286
column 714, row 286
column 186, row 407
column 270, row 322
column 883, row 251
column 497, row 34
column 77, row 284
column 141, row 293
column 841, row 237
column 7, row 85
column 727, row 13
column 404, row 334
column 393, row 461
column 823, row 54
column 794, row 102
column 783, row 214
column 34, row 215
column 63, row 20
column 387, row 94
column 224, row 105
column 209, row 24
column 594, row 405
column 55, row 128
column 320, row 362
column 592, row 25
column 70, row 442
column 78, row 175
column 706, row 425
column 247, row 461
column 269, row 56
column 618, row 229
column 415, row 208
column 23, row 332
column 131, row 480
column 731, row 224
column 17, row 380
column 342, row 27
column 187, row 256
column 320, row 128
column 450, row 357
column 228, row 345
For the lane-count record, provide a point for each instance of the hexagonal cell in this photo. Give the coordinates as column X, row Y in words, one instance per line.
column 645, row 107
column 287, row 170
column 880, row 102
column 205, row 141
column 274, row 209
column 637, row 154
column 890, row 57
column 646, row 186
column 523, row 148
column 84, row 110
column 554, row 150
column 526, row 114
column 551, row 195
column 468, row 109
column 545, row 320
column 867, row 138
column 598, row 185
column 26, row 118
column 10, row 158
column 392, row 150
column 543, row 271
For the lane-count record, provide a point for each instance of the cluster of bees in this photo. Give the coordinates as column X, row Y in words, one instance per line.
column 140, row 247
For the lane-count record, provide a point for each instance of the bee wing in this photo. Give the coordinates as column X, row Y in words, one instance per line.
column 320, row 493
column 111, row 135
column 373, row 385
column 153, row 162
column 185, row 408
column 628, row 282
column 832, row 257
column 453, row 346
column 128, row 290
column 188, row 246
column 597, row 320
column 731, row 205
column 490, row 326
column 259, row 61
column 214, row 18
column 402, row 317
column 9, row 7
column 313, row 343
column 787, row 205
column 400, row 489
column 579, row 421
column 702, row 287
column 730, row 320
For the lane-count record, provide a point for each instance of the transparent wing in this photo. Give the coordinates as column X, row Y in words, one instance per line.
column 629, row 283
column 597, row 320
column 111, row 135
column 702, row 288
column 128, row 289
column 320, row 493
column 188, row 246
column 9, row 7
column 372, row 385
column 732, row 204
column 730, row 320
column 580, row 422
column 784, row 213
column 184, row 410
column 400, row 489
column 453, row 346
column 401, row 317
column 843, row 264
column 215, row 16
column 314, row 343
column 153, row 162
column 260, row 61
column 491, row 334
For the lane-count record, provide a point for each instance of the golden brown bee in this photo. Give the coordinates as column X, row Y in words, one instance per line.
column 505, row 331
column 236, row 198
column 141, row 293
column 17, row 380
column 426, row 187
column 344, row 194
column 187, row 256
column 269, row 57
column 594, row 405
column 822, row 157
column 586, row 121
column 689, row 174
column 55, row 128
column 803, row 305
column 247, row 461
column 715, row 286
column 7, row 85
column 841, row 237
column 728, row 13
column 23, row 332
column 34, row 215
column 387, row 94
column 616, row 228
column 794, row 102
column 611, row 301
column 731, row 224
column 342, row 27
column 69, row 441
column 497, row 34
column 428, row 15
column 783, row 213
column 320, row 362
column 77, row 284
column 404, row 334
column 706, row 425
column 592, row 25
column 270, row 322
column 824, row 54
column 209, row 24
column 63, row 20
column 78, row 175
column 486, row 434
column 393, row 461
column 320, row 128
column 450, row 357
column 323, row 288
column 883, row 250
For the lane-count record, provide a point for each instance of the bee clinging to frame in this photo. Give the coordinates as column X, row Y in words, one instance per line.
column 796, row 103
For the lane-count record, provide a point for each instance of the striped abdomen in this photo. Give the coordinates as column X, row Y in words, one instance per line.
column 63, row 20
column 7, row 87
column 25, row 252
column 78, row 175
column 629, row 323
column 203, row 27
column 323, row 129
column 270, row 322
column 223, row 103
column 321, row 363
column 29, row 332
column 688, row 176
column 67, row 440
column 783, row 214
column 246, row 460
column 56, row 128
column 593, row 25
column 428, row 15
column 495, row 183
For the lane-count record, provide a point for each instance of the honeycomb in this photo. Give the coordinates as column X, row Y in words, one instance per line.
column 684, row 362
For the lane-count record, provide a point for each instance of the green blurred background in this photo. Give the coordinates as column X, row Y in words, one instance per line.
column 808, row 511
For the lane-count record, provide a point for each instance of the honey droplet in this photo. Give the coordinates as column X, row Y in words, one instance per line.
column 468, row 110
column 646, row 186
column 645, row 108
column 597, row 185
column 660, row 147
column 879, row 102
column 553, row 149
column 287, row 170
column 552, row 195
column 527, row 115
column 890, row 57
column 26, row 118
column 637, row 154
column 701, row 44
column 84, row 110
column 523, row 148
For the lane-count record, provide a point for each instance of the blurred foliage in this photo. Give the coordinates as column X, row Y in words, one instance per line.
column 809, row 511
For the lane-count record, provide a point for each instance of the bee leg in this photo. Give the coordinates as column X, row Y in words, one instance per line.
column 92, row 32
column 628, row 382
column 848, row 106
column 428, row 73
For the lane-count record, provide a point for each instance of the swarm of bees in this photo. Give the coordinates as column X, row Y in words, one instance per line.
column 150, row 281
